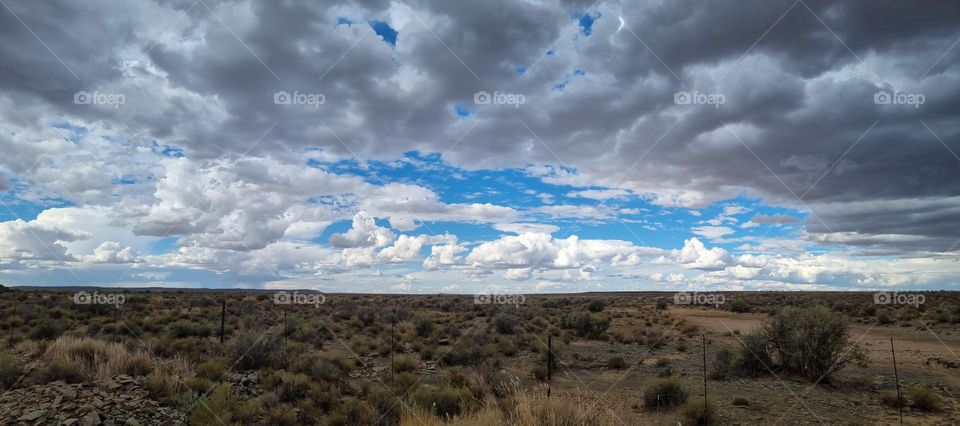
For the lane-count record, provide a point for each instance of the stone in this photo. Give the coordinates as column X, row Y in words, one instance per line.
column 68, row 393
column 92, row 419
column 33, row 415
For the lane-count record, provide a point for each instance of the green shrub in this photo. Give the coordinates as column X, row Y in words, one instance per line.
column 446, row 401
column 216, row 409
column 424, row 327
column 11, row 369
column 584, row 324
column 616, row 363
column 353, row 412
column 539, row 372
column 139, row 364
column 754, row 358
column 722, row 363
column 292, row 387
column 61, row 369
column 740, row 305
column 162, row 386
column 504, row 324
column 46, row 329
column 254, row 350
column 664, row 393
column 199, row 385
column 813, row 342
column 280, row 415
column 741, row 401
column 596, row 305
column 890, row 399
column 404, row 363
column 184, row 328
column 924, row 398
column 211, row 370
column 699, row 412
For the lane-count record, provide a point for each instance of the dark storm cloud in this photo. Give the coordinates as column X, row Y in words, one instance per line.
column 206, row 74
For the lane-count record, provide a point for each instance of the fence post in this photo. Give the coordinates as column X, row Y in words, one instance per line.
column 896, row 377
column 393, row 330
column 703, row 339
column 223, row 317
column 549, row 364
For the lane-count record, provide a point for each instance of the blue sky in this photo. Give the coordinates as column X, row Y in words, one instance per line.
column 477, row 147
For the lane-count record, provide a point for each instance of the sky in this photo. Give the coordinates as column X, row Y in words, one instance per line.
column 472, row 147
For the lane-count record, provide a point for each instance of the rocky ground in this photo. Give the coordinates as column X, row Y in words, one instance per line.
column 120, row 401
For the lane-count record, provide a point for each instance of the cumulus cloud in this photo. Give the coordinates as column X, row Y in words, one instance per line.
column 22, row 241
column 695, row 255
column 113, row 252
column 363, row 233
column 522, row 254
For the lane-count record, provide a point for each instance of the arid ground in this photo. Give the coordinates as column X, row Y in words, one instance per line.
column 156, row 357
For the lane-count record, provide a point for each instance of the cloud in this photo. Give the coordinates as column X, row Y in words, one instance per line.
column 528, row 252
column 27, row 242
column 601, row 194
column 521, row 228
column 363, row 233
column 113, row 252
column 695, row 255
column 712, row 232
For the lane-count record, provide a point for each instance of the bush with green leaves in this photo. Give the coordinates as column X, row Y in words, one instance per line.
column 597, row 305
column 445, row 401
column 584, row 324
column 813, row 342
column 504, row 324
column 616, row 363
column 46, row 329
column 664, row 393
column 11, row 369
column 68, row 371
column 740, row 305
column 722, row 363
column 699, row 412
column 253, row 350
column 924, row 398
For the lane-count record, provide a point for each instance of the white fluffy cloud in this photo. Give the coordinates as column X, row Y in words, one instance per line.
column 521, row 255
column 363, row 233
column 694, row 255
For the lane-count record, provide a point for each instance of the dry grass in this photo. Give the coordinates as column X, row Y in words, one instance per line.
column 530, row 408
column 98, row 359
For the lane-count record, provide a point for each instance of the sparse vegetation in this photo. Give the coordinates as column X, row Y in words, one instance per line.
column 454, row 362
column 924, row 398
column 664, row 393
column 699, row 412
